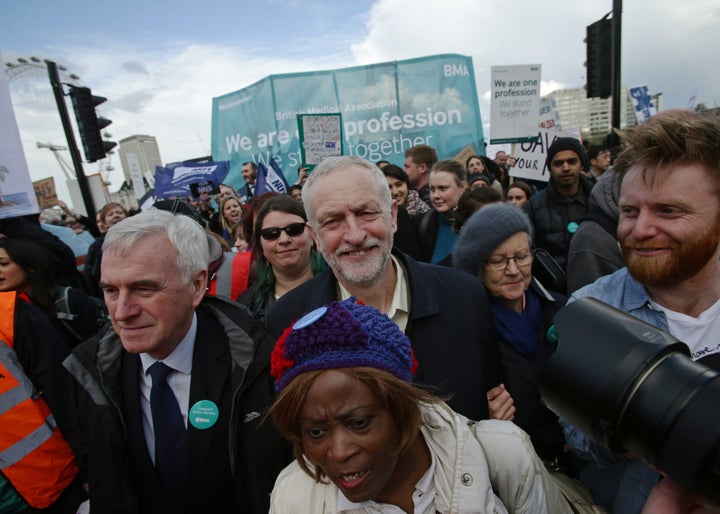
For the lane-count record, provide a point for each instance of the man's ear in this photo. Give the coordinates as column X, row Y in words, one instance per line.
column 313, row 234
column 199, row 284
column 393, row 215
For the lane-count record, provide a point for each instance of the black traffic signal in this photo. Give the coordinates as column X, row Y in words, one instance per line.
column 89, row 125
column 599, row 59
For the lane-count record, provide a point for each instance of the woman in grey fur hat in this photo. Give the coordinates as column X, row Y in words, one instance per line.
column 495, row 244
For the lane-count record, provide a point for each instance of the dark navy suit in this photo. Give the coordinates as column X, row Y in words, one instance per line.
column 450, row 327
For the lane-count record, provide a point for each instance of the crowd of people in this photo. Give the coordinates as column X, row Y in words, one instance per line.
column 371, row 341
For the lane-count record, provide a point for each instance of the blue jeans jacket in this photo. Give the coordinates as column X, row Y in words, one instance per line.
column 625, row 293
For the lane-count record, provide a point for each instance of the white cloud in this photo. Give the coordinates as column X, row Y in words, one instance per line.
column 167, row 90
column 663, row 42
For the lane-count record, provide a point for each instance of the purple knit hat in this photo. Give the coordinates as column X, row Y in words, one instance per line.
column 341, row 335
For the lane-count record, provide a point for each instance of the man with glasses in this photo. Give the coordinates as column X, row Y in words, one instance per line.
column 600, row 161
column 444, row 312
column 557, row 210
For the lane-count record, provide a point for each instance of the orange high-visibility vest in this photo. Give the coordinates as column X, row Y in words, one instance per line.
column 34, row 456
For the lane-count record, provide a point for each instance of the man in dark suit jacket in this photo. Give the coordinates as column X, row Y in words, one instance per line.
column 443, row 311
column 249, row 175
column 154, row 274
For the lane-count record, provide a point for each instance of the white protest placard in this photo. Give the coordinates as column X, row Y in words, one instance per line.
column 98, row 191
column 530, row 156
column 515, row 103
column 642, row 102
column 17, row 195
column 549, row 114
column 320, row 136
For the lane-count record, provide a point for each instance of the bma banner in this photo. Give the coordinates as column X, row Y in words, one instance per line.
column 17, row 196
column 515, row 103
column 386, row 108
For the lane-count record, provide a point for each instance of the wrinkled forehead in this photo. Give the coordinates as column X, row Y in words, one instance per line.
column 348, row 184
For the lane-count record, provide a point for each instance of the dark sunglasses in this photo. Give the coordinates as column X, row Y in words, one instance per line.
column 272, row 233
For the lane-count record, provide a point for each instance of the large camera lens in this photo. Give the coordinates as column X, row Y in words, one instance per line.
column 630, row 386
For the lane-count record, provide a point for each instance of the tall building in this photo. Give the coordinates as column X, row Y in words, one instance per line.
column 139, row 153
column 593, row 116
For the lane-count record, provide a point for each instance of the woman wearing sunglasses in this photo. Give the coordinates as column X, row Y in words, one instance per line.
column 284, row 255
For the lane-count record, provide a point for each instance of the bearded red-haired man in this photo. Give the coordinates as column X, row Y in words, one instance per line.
column 669, row 234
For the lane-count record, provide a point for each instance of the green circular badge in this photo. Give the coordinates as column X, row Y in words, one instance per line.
column 203, row 414
column 552, row 334
column 572, row 227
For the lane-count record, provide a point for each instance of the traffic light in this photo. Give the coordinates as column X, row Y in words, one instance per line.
column 599, row 59
column 89, row 125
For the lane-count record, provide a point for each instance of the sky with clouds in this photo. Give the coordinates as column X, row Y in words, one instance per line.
column 160, row 63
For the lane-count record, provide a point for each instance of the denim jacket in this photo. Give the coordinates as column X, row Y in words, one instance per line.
column 623, row 292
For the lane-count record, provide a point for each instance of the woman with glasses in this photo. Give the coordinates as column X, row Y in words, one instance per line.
column 495, row 245
column 284, row 255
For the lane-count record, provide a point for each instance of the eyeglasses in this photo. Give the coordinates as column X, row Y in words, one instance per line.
column 272, row 233
column 501, row 262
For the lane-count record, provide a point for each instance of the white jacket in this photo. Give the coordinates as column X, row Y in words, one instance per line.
column 482, row 467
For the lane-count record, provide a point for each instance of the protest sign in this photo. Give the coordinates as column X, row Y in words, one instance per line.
column 465, row 154
column 320, row 137
column 642, row 102
column 515, row 103
column 386, row 108
column 98, row 191
column 549, row 114
column 17, row 196
column 530, row 156
column 45, row 192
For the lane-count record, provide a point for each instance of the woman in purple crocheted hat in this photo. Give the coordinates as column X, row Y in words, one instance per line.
column 367, row 440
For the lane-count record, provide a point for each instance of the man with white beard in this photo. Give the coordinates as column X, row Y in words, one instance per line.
column 444, row 312
column 669, row 234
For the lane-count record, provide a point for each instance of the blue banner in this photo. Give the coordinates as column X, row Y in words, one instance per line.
column 386, row 108
column 175, row 178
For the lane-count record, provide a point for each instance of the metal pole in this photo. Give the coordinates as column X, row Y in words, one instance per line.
column 616, row 80
column 70, row 136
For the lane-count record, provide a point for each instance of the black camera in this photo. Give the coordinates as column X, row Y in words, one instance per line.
column 630, row 386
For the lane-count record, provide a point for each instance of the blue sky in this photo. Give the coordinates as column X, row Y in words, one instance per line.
column 160, row 63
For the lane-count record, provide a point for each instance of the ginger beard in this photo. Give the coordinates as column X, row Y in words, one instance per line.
column 683, row 261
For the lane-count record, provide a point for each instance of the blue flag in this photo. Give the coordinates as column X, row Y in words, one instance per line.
column 270, row 179
column 175, row 178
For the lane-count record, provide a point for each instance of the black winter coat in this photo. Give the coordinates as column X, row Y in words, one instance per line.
column 232, row 466
column 550, row 215
column 450, row 327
